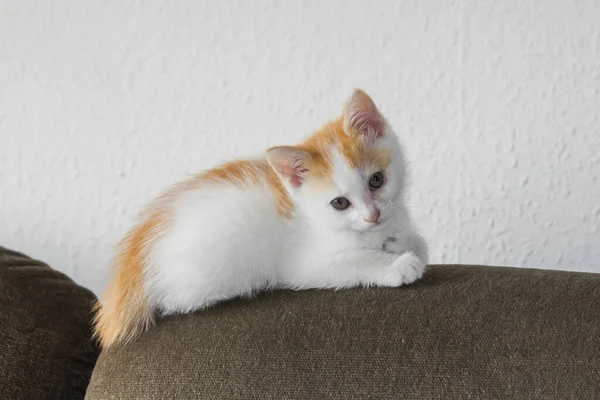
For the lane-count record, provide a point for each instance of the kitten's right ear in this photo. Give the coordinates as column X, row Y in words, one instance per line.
column 290, row 163
column 362, row 117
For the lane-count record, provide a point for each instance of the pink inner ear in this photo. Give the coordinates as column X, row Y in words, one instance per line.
column 291, row 165
column 294, row 171
column 367, row 124
column 297, row 180
column 361, row 115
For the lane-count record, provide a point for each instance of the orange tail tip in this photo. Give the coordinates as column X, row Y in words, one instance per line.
column 121, row 319
column 125, row 311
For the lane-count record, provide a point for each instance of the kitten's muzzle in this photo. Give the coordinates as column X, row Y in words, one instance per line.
column 374, row 216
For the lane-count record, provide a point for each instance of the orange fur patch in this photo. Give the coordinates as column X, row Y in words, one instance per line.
column 250, row 173
column 126, row 312
column 354, row 149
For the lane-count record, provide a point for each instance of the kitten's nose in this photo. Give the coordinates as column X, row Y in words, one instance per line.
column 373, row 216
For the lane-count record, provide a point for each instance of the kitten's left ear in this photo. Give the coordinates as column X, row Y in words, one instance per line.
column 290, row 163
column 361, row 117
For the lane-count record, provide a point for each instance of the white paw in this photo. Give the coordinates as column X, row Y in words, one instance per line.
column 405, row 269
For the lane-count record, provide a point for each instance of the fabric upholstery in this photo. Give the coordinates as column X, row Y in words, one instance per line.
column 462, row 332
column 45, row 346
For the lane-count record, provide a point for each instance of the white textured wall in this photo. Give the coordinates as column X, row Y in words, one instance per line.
column 103, row 103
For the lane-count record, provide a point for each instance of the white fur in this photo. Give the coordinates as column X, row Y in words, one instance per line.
column 227, row 242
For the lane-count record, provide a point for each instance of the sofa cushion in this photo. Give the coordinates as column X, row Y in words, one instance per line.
column 462, row 332
column 45, row 347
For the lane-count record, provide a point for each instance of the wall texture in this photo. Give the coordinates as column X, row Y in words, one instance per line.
column 104, row 103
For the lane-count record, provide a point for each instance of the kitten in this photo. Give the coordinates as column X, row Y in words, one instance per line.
column 327, row 213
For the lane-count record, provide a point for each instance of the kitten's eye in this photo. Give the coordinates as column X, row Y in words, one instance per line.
column 340, row 203
column 376, row 180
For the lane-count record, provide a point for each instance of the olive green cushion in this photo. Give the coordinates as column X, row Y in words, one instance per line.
column 46, row 350
column 462, row 332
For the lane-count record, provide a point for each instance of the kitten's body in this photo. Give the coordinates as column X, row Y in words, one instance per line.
column 251, row 225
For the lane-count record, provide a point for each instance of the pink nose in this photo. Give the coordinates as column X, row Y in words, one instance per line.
column 373, row 216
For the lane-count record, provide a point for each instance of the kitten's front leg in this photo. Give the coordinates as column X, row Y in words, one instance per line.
column 381, row 270
column 413, row 253
column 356, row 267
column 407, row 268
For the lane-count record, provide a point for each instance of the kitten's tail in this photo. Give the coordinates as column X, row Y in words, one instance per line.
column 126, row 311
column 122, row 317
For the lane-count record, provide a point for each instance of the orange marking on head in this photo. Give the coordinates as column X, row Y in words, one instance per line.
column 353, row 148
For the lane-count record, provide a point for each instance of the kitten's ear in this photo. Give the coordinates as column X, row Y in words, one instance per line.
column 290, row 163
column 361, row 117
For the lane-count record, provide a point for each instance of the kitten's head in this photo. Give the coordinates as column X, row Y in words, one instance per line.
column 350, row 174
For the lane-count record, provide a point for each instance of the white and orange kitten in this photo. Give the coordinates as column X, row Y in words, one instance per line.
column 327, row 213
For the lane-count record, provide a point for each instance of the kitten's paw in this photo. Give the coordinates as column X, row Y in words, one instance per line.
column 406, row 269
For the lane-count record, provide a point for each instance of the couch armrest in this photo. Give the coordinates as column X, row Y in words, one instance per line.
column 462, row 332
column 46, row 351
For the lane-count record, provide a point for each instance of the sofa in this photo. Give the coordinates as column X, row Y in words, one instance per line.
column 462, row 332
